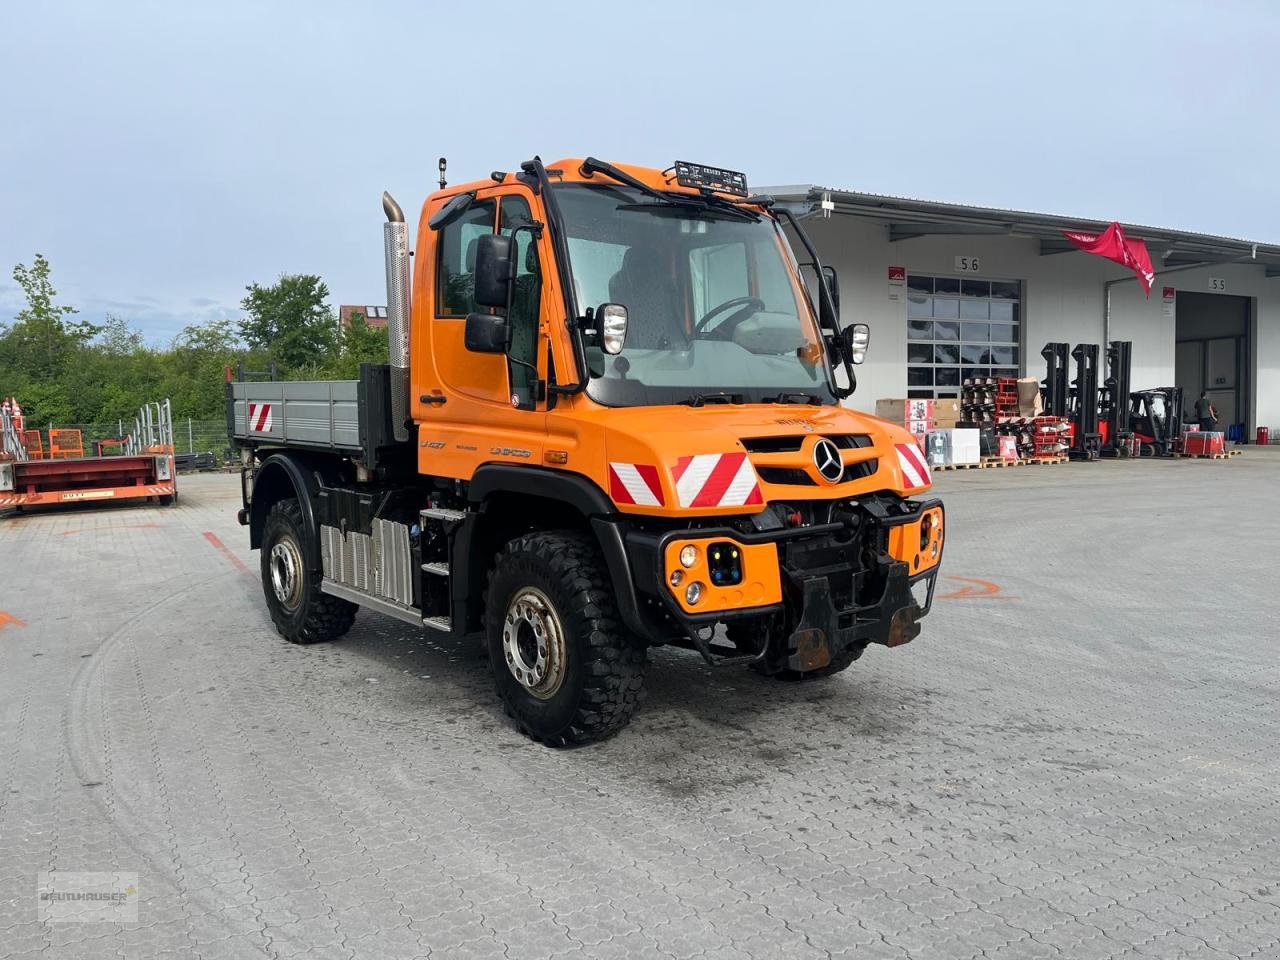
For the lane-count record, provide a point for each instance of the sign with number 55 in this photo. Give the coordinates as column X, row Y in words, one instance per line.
column 968, row 265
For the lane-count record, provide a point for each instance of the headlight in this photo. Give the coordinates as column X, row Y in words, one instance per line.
column 688, row 555
column 693, row 593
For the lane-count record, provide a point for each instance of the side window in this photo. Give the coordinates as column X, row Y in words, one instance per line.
column 527, row 297
column 719, row 274
column 456, row 260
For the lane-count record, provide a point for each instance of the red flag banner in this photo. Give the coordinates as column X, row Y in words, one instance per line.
column 1114, row 245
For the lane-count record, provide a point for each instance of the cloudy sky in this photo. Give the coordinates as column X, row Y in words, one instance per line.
column 164, row 155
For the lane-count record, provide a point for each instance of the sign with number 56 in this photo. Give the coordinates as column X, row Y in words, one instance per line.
column 968, row 265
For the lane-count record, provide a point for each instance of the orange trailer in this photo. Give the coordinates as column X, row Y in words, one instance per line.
column 144, row 468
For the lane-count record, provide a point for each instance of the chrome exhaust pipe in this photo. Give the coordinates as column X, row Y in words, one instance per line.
column 396, row 251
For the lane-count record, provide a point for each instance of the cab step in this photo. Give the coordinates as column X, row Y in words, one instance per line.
column 443, row 513
column 443, row 624
column 436, row 568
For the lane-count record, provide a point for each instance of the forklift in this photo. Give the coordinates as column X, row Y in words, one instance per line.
column 1156, row 416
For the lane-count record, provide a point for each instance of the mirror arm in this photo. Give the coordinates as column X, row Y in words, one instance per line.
column 834, row 342
column 535, row 170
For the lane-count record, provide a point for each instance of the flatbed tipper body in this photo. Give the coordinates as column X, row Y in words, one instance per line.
column 611, row 420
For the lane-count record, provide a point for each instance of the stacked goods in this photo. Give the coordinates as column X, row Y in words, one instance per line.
column 919, row 416
column 978, row 400
column 1203, row 443
column 1035, row 438
column 1006, row 397
column 953, row 446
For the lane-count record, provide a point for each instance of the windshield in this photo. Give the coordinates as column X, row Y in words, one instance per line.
column 713, row 301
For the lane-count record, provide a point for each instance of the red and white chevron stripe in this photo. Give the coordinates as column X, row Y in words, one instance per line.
column 913, row 465
column 635, row 483
column 716, row 480
column 259, row 417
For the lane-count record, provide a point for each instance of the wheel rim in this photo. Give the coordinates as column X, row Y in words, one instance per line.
column 533, row 643
column 286, row 573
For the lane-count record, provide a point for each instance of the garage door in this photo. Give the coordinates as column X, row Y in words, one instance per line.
column 958, row 329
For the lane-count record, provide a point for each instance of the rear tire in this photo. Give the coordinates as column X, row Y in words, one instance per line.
column 301, row 613
column 566, row 669
column 745, row 636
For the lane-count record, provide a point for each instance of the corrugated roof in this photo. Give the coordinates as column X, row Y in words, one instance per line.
column 908, row 217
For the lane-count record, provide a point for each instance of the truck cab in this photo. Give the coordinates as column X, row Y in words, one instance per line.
column 612, row 420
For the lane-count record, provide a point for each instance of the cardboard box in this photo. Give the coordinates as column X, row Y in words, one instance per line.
column 965, row 445
column 952, row 446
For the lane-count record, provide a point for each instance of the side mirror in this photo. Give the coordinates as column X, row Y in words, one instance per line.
column 857, row 337
column 451, row 211
column 485, row 333
column 495, row 268
column 833, row 285
column 611, row 324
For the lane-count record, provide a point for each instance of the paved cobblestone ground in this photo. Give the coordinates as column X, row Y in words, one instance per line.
column 1083, row 764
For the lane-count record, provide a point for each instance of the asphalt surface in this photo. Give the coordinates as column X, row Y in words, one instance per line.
column 1078, row 757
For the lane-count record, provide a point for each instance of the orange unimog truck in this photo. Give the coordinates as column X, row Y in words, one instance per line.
column 611, row 420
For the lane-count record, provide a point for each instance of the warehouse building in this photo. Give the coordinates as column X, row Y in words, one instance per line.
column 954, row 291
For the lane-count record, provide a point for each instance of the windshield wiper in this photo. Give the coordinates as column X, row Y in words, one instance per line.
column 809, row 399
column 702, row 399
column 689, row 200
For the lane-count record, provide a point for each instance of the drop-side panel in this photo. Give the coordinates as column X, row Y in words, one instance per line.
column 312, row 413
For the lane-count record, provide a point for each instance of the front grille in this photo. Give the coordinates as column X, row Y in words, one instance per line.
column 789, row 476
column 792, row 444
column 850, row 441
column 772, row 444
column 795, row 477
column 857, row 471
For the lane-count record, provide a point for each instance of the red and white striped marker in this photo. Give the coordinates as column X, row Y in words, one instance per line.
column 716, row 480
column 637, row 484
column 259, row 417
column 913, row 465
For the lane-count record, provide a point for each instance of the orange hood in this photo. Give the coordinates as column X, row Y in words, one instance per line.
column 734, row 458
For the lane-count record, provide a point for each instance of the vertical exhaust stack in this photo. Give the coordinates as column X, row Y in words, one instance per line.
column 396, row 249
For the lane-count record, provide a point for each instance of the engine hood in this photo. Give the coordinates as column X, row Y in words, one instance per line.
column 735, row 458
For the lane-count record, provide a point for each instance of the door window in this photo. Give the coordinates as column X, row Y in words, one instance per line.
column 456, row 263
column 526, row 300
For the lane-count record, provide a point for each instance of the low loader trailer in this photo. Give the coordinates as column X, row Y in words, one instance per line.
column 612, row 420
column 142, row 470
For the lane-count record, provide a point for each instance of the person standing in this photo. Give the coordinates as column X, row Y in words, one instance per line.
column 1206, row 412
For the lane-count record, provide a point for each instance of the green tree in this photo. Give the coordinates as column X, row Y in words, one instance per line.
column 291, row 322
column 42, row 339
column 358, row 343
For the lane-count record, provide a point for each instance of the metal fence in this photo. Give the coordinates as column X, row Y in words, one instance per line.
column 189, row 436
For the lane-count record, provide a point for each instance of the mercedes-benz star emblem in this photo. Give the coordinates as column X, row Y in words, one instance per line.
column 826, row 457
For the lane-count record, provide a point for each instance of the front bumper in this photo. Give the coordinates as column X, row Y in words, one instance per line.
column 892, row 589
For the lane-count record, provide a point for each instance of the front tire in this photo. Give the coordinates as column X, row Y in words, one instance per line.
column 566, row 669
column 301, row 613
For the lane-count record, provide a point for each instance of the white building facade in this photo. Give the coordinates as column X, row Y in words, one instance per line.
column 952, row 291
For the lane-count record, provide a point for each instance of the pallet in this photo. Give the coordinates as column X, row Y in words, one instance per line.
column 956, row 466
column 1046, row 460
column 991, row 463
column 1208, row 456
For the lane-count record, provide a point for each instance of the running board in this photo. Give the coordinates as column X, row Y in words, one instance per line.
column 370, row 602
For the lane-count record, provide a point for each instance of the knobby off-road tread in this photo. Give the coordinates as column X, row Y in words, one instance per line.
column 323, row 617
column 613, row 659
